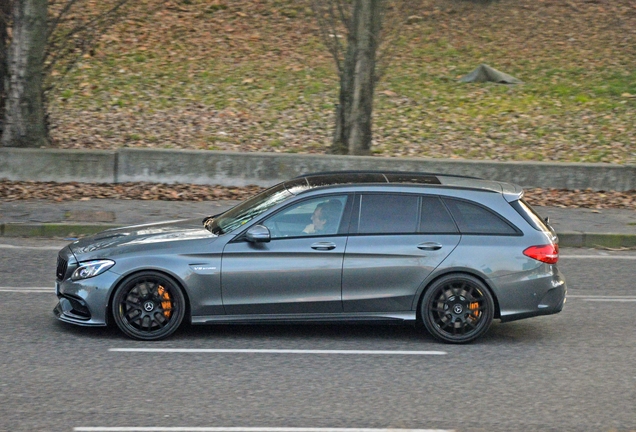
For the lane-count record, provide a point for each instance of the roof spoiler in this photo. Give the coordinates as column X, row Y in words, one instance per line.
column 512, row 192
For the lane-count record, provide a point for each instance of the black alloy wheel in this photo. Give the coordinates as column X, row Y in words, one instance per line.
column 457, row 309
column 148, row 306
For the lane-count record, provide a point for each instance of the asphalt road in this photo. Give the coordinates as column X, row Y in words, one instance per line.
column 569, row 372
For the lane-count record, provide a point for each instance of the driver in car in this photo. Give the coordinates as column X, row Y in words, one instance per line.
column 325, row 218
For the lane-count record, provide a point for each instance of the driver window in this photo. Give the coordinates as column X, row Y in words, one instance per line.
column 314, row 217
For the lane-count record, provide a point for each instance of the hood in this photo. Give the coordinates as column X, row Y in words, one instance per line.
column 161, row 232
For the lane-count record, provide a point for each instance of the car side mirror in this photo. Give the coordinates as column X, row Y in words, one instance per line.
column 258, row 234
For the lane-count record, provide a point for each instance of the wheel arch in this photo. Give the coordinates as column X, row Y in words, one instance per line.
column 430, row 281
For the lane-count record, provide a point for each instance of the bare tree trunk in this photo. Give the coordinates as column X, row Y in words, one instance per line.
column 343, row 112
column 24, row 109
column 361, row 22
column 5, row 11
column 366, row 30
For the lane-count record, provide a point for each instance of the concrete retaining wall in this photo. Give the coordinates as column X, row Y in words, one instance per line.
column 265, row 169
column 58, row 165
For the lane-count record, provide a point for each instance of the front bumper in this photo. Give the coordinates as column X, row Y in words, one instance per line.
column 64, row 311
column 85, row 302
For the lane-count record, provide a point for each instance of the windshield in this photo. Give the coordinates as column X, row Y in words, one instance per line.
column 246, row 211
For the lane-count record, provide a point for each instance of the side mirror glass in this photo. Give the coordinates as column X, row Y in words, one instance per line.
column 258, row 234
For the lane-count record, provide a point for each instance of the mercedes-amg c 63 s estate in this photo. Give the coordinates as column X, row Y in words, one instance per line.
column 453, row 253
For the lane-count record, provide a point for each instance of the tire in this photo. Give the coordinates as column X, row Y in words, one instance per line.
column 457, row 309
column 148, row 306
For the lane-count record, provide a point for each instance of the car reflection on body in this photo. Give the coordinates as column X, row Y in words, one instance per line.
column 453, row 253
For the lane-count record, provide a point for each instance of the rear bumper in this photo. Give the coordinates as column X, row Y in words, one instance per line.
column 533, row 296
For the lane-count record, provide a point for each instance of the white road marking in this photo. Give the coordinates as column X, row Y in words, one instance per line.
column 243, row 429
column 615, row 257
column 51, row 248
column 603, row 298
column 610, row 300
column 272, row 351
column 57, row 248
column 28, row 289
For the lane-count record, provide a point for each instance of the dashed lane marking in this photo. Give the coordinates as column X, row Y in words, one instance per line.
column 28, row 289
column 44, row 248
column 271, row 351
column 614, row 257
column 603, row 298
column 243, row 429
column 57, row 248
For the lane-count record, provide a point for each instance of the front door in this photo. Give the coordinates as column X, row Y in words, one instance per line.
column 298, row 271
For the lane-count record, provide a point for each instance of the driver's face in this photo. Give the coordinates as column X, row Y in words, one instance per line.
column 318, row 220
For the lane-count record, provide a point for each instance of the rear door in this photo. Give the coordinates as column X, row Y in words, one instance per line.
column 396, row 241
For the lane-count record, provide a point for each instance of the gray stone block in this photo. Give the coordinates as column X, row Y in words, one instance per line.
column 89, row 166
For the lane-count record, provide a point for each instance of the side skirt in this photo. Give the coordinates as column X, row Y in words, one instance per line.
column 357, row 317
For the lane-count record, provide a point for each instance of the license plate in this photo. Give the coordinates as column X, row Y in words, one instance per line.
column 57, row 288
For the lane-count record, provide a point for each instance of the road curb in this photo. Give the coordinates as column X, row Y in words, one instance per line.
column 597, row 240
column 66, row 230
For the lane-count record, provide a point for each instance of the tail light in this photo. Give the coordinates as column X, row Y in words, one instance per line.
column 548, row 254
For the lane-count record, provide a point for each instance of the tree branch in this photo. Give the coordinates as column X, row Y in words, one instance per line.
column 98, row 18
column 325, row 25
column 66, row 47
column 343, row 15
column 398, row 21
column 67, row 7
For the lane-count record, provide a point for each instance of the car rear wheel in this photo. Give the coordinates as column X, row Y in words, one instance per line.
column 457, row 309
column 148, row 306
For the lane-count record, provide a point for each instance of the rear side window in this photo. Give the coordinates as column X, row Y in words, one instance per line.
column 475, row 219
column 388, row 214
column 530, row 215
column 434, row 218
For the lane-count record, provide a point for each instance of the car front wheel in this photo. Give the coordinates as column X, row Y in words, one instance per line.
column 148, row 306
column 457, row 309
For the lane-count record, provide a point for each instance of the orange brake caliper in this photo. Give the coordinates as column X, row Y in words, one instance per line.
column 474, row 308
column 166, row 303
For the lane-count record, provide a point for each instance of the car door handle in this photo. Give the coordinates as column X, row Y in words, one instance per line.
column 429, row 246
column 323, row 246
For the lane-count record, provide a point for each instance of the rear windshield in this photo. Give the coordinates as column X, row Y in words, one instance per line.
column 530, row 215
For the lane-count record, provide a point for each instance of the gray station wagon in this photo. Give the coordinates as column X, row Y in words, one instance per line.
column 451, row 252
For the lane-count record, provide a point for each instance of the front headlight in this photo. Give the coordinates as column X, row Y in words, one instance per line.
column 88, row 269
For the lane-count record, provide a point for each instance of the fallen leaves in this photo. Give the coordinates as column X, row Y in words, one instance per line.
column 19, row 190
column 581, row 198
column 15, row 190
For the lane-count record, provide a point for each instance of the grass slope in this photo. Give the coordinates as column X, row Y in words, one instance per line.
column 252, row 75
